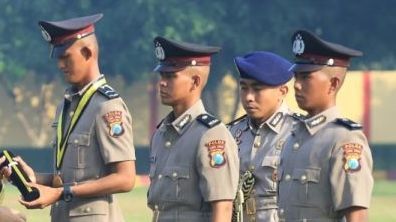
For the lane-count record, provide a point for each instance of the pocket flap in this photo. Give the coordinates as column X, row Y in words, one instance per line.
column 270, row 161
column 177, row 172
column 307, row 175
column 79, row 139
column 89, row 206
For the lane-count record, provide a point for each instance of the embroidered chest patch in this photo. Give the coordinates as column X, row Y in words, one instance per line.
column 216, row 153
column 113, row 120
column 352, row 154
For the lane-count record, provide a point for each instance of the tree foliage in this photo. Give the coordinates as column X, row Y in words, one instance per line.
column 127, row 30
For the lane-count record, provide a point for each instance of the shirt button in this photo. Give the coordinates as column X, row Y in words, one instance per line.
column 160, row 176
column 87, row 210
column 76, row 141
column 156, row 207
column 296, row 146
column 303, row 178
column 287, row 177
column 174, row 174
column 168, row 144
column 281, row 211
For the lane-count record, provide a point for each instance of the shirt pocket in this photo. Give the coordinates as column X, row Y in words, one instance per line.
column 78, row 153
column 307, row 183
column 269, row 173
column 175, row 183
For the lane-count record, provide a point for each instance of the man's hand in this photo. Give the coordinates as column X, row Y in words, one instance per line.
column 6, row 171
column 48, row 196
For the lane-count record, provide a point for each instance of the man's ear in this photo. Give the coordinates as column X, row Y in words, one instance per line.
column 86, row 52
column 284, row 89
column 197, row 81
column 335, row 84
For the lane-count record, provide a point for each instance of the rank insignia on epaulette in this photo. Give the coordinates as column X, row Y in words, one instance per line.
column 208, row 120
column 113, row 120
column 352, row 153
column 109, row 92
column 349, row 123
column 216, row 153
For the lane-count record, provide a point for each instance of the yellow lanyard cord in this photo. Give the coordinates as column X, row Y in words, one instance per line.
column 62, row 141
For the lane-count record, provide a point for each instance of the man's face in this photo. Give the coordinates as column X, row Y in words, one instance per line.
column 260, row 101
column 175, row 87
column 312, row 91
column 73, row 65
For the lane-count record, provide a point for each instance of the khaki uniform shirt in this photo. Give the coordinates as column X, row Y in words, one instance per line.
column 93, row 144
column 194, row 161
column 259, row 151
column 326, row 166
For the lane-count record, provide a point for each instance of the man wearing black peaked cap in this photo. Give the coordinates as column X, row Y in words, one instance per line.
column 94, row 152
column 326, row 164
column 261, row 133
column 194, row 160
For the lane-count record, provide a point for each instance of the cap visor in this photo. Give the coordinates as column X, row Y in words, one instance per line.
column 305, row 67
column 59, row 50
column 163, row 68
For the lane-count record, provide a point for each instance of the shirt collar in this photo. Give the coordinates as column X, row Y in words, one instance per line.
column 180, row 124
column 274, row 121
column 317, row 122
column 73, row 91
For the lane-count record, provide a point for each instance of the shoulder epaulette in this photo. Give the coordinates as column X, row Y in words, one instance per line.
column 108, row 92
column 348, row 123
column 298, row 116
column 208, row 120
column 237, row 120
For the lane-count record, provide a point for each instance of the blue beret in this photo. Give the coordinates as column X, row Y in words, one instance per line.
column 174, row 56
column 312, row 53
column 264, row 67
column 62, row 34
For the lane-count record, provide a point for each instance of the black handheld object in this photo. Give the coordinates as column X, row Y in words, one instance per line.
column 19, row 178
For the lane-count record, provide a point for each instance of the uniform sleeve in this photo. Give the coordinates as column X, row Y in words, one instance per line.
column 218, row 164
column 351, row 172
column 114, row 132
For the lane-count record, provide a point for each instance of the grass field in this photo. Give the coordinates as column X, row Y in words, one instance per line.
column 133, row 204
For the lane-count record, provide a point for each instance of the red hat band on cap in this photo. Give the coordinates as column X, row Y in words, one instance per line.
column 187, row 61
column 322, row 60
column 78, row 34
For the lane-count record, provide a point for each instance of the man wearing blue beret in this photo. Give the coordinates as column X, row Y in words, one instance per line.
column 326, row 164
column 94, row 152
column 261, row 133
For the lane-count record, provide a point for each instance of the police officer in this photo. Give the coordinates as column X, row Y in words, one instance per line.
column 194, row 159
column 326, row 164
column 261, row 133
column 94, row 155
